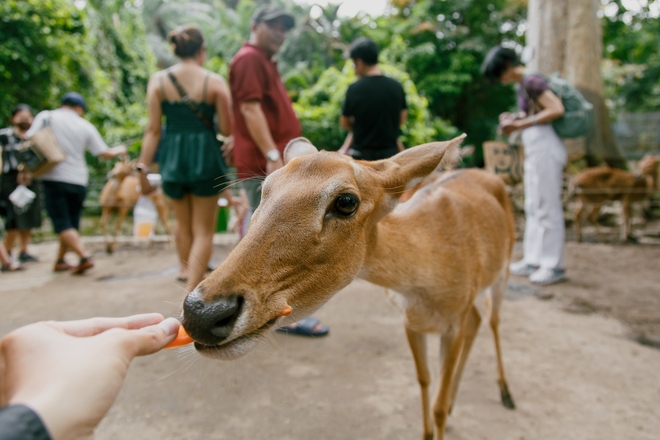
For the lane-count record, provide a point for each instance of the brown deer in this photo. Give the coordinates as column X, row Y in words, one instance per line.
column 326, row 219
column 121, row 192
column 595, row 186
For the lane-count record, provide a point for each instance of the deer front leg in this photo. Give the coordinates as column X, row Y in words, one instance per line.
column 471, row 329
column 163, row 215
column 120, row 219
column 625, row 226
column 593, row 219
column 451, row 349
column 417, row 343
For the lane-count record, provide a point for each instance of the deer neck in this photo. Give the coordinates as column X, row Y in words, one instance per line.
column 385, row 255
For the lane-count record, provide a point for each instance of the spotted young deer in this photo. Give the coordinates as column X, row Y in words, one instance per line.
column 595, row 186
column 121, row 192
column 325, row 219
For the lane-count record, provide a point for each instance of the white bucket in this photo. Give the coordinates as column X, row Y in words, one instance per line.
column 155, row 180
column 145, row 216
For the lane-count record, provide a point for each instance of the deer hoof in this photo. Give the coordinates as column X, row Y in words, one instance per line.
column 507, row 400
column 109, row 249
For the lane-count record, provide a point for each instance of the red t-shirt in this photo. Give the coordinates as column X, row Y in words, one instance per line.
column 253, row 76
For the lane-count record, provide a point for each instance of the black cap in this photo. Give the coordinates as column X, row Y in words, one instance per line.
column 271, row 12
column 74, row 99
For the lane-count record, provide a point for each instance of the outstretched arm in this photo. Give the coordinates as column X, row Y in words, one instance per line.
column 70, row 373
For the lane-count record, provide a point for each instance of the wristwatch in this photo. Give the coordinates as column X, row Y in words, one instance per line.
column 273, row 155
column 142, row 168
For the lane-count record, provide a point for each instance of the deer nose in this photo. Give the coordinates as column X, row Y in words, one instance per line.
column 210, row 323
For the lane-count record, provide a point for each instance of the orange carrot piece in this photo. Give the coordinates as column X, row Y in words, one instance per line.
column 181, row 339
column 286, row 311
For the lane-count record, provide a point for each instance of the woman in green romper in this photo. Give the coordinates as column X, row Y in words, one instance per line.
column 190, row 158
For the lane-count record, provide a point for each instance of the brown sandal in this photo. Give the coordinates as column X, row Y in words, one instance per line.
column 12, row 267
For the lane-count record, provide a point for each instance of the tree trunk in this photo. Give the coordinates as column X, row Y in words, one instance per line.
column 565, row 36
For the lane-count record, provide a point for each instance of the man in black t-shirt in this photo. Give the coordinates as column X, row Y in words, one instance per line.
column 374, row 108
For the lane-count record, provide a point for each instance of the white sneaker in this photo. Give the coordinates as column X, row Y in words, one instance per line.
column 522, row 268
column 546, row 277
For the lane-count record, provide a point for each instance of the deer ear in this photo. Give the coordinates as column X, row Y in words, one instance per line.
column 416, row 163
column 298, row 147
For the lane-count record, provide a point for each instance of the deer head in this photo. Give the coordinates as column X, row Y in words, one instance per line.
column 121, row 169
column 649, row 166
column 307, row 240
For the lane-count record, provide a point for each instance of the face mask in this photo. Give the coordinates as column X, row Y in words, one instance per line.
column 23, row 126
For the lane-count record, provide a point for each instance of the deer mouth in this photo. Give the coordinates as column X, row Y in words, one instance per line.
column 236, row 347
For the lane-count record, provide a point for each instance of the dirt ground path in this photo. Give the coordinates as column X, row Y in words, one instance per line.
column 573, row 369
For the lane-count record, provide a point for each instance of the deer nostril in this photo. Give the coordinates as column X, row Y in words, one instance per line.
column 211, row 323
column 225, row 320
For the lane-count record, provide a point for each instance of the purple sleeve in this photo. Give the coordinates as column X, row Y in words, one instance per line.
column 535, row 85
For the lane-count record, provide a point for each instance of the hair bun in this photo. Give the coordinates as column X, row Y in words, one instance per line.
column 186, row 40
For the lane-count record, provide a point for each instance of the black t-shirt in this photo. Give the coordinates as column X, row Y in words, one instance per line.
column 375, row 103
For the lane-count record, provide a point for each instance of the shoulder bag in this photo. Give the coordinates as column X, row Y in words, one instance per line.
column 41, row 151
column 578, row 118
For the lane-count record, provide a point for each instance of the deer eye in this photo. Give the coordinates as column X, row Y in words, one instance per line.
column 345, row 205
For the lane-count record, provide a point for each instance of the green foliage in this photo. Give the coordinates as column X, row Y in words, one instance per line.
column 48, row 47
column 39, row 40
column 630, row 46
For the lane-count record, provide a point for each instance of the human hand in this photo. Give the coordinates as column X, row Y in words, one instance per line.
column 506, row 117
column 24, row 178
column 120, row 150
column 344, row 149
column 509, row 127
column 228, row 150
column 273, row 165
column 70, row 372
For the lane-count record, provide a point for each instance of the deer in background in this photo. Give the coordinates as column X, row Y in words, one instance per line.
column 121, row 192
column 325, row 219
column 595, row 186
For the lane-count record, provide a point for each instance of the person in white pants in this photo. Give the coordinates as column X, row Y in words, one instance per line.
column 545, row 158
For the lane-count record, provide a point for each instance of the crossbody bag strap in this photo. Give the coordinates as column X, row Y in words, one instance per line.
column 185, row 98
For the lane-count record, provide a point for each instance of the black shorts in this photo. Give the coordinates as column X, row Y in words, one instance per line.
column 64, row 202
column 30, row 218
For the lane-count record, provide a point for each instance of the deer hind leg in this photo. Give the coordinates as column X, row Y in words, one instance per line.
column 417, row 343
column 472, row 324
column 593, row 219
column 123, row 210
column 451, row 345
column 578, row 215
column 105, row 214
column 493, row 303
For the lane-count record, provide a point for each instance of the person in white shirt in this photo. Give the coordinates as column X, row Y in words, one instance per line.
column 65, row 186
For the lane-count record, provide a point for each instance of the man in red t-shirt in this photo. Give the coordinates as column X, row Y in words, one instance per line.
column 263, row 115
column 264, row 120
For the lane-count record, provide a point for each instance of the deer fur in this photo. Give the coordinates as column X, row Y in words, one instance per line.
column 450, row 242
column 121, row 193
column 595, row 186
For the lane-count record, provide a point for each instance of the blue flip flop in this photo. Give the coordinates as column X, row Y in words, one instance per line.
column 306, row 327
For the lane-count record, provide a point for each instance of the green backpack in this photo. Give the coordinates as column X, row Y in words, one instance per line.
column 578, row 116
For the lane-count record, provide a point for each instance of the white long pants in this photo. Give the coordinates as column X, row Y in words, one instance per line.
column 545, row 158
